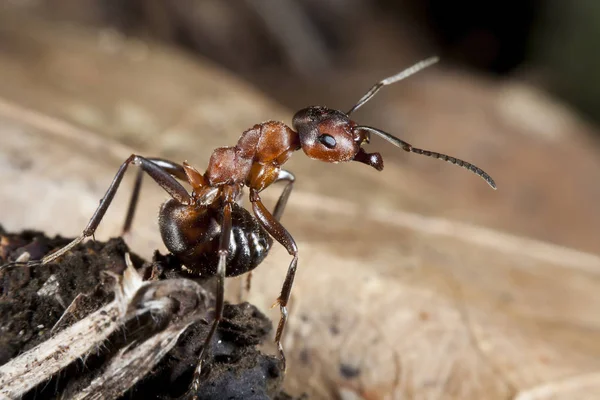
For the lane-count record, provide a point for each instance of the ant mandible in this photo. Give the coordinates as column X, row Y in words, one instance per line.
column 211, row 233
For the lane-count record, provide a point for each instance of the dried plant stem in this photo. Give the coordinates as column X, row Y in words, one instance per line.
column 133, row 297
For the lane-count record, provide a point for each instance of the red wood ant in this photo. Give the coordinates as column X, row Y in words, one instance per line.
column 211, row 233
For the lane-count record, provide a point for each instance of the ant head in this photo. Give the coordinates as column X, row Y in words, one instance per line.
column 329, row 135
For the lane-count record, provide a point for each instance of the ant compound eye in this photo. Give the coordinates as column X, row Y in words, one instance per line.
column 327, row 140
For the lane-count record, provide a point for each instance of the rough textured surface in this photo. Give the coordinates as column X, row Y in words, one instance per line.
column 418, row 281
column 33, row 299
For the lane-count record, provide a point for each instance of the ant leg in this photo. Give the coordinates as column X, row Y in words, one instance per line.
column 220, row 295
column 275, row 229
column 160, row 176
column 285, row 195
column 277, row 211
column 169, row 166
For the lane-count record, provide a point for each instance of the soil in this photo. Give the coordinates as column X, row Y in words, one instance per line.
column 33, row 298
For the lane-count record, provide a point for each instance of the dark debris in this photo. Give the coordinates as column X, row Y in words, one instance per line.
column 234, row 369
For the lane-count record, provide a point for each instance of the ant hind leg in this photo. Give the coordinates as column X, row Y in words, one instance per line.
column 171, row 167
column 160, row 176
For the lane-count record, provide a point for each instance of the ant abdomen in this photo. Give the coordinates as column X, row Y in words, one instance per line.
column 192, row 234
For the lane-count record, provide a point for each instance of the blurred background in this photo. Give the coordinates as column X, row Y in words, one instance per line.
column 513, row 73
column 444, row 288
column 314, row 49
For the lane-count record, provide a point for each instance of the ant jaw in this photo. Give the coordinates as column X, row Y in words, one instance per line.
column 372, row 159
column 360, row 136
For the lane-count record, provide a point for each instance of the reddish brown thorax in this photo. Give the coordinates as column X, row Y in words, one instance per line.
column 256, row 159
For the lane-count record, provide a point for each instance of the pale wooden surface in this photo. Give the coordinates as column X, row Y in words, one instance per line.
column 421, row 277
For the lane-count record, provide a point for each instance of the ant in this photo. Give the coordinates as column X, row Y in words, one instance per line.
column 211, row 233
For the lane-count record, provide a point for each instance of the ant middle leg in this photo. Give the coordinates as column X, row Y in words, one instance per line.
column 285, row 194
column 279, row 233
column 224, row 240
column 160, row 176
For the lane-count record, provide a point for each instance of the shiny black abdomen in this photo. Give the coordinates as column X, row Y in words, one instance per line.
column 192, row 235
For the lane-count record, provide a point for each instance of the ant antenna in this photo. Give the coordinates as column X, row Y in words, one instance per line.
column 393, row 79
column 409, row 148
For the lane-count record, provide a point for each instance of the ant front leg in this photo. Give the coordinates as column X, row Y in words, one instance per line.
column 220, row 295
column 279, row 233
column 277, row 211
column 160, row 176
column 171, row 167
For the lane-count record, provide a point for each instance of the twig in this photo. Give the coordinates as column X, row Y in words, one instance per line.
column 133, row 297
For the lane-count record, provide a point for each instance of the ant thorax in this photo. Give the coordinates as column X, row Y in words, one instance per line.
column 255, row 159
